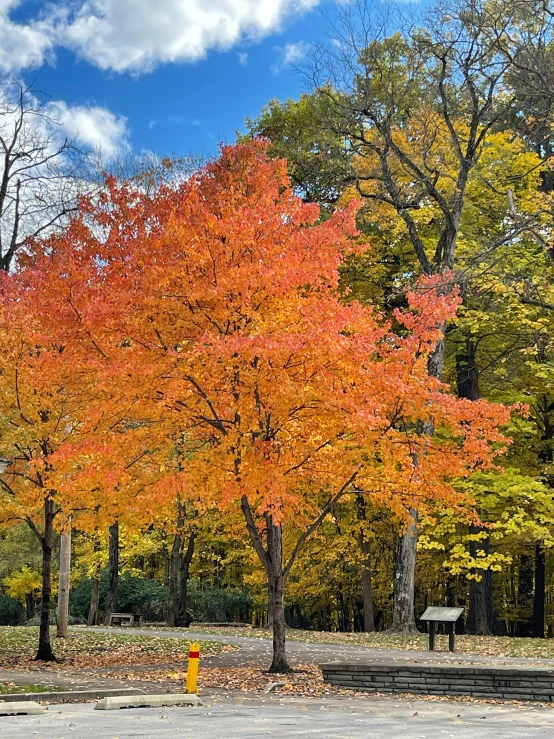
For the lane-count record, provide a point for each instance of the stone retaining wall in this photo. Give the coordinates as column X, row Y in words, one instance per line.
column 508, row 682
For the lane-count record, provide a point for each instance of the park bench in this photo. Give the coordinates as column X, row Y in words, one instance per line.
column 117, row 619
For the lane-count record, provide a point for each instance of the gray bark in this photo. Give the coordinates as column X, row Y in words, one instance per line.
column 186, row 559
column 45, row 652
column 179, row 566
column 403, row 613
column 29, row 605
column 276, row 586
column 539, row 595
column 113, row 572
column 481, row 612
column 271, row 557
column 404, row 581
column 481, row 617
column 270, row 607
column 174, row 566
column 94, row 599
column 369, row 614
column 63, row 589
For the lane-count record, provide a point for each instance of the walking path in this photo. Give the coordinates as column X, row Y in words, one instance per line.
column 257, row 650
column 252, row 652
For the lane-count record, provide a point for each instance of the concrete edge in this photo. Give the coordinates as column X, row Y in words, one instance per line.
column 472, row 669
column 20, row 708
column 147, row 701
column 69, row 695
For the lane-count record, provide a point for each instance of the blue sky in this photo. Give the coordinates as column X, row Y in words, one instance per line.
column 173, row 76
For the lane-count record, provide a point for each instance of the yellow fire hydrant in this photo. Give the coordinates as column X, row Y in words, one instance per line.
column 192, row 669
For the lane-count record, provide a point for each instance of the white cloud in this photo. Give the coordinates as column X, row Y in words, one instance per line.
column 290, row 54
column 133, row 36
column 137, row 35
column 23, row 45
column 95, row 127
column 295, row 52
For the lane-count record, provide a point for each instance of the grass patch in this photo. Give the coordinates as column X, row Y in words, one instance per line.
column 18, row 645
column 9, row 688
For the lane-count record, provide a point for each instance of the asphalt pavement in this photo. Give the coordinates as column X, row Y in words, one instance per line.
column 332, row 717
column 288, row 718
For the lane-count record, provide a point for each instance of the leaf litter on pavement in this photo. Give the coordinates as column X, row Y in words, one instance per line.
column 161, row 661
column 305, row 682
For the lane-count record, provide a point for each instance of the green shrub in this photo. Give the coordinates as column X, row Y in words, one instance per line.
column 210, row 603
column 12, row 612
column 135, row 595
column 151, row 598
column 79, row 598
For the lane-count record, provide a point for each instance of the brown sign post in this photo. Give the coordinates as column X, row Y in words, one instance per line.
column 438, row 614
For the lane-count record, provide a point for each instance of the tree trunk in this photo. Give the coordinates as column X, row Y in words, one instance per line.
column 167, row 567
column 403, row 620
column 404, row 581
column 45, row 652
column 113, row 572
column 94, row 599
column 270, row 607
column 271, row 556
column 63, row 589
column 186, row 559
column 369, row 617
column 29, row 605
column 467, row 372
column 276, row 583
column 539, row 596
column 481, row 619
column 448, row 592
column 524, row 595
column 174, row 567
column 344, row 612
column 546, row 455
column 279, row 662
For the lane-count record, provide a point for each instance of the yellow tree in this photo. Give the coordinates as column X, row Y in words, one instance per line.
column 502, row 202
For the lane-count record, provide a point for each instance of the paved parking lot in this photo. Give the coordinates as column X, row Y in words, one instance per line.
column 290, row 718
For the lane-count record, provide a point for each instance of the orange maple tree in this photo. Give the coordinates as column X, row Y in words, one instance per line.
column 36, row 409
column 41, row 402
column 208, row 322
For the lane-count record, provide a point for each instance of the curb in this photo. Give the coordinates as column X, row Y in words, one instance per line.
column 20, row 708
column 148, row 701
column 68, row 695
